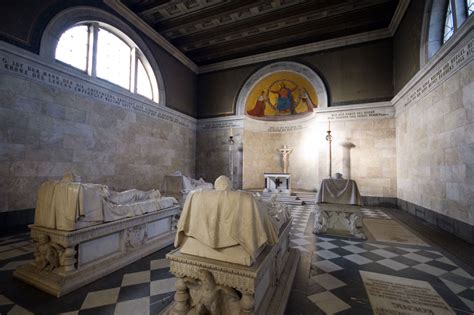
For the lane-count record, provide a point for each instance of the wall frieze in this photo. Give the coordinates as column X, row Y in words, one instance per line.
column 20, row 63
column 457, row 53
column 378, row 110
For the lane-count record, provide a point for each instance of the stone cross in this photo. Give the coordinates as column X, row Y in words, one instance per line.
column 285, row 154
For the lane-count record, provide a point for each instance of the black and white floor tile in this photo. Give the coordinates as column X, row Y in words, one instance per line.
column 328, row 277
column 374, row 213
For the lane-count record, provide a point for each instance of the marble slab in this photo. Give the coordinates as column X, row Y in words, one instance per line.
column 396, row 295
column 391, row 231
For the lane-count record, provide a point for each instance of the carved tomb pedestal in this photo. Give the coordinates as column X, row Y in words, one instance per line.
column 67, row 260
column 217, row 287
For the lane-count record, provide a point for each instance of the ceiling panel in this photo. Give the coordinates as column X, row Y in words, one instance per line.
column 209, row 31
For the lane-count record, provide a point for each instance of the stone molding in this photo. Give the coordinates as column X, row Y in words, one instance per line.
column 457, row 53
column 126, row 13
column 451, row 225
column 71, row 238
column 377, row 110
column 220, row 123
column 21, row 63
column 298, row 50
column 398, row 16
column 283, row 53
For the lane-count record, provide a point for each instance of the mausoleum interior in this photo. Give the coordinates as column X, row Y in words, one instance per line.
column 236, row 157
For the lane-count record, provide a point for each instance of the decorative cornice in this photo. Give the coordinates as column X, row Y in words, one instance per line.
column 398, row 16
column 81, row 83
column 125, row 12
column 461, row 42
column 387, row 32
column 298, row 50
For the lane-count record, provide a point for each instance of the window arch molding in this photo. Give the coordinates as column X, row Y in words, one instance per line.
column 433, row 24
column 68, row 18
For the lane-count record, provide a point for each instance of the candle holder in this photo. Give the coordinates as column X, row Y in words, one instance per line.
column 231, row 143
column 329, row 140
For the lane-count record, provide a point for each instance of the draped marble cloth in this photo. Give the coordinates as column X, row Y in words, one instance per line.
column 220, row 221
column 341, row 191
column 60, row 204
column 68, row 206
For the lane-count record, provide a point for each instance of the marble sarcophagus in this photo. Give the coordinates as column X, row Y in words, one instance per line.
column 85, row 231
column 233, row 255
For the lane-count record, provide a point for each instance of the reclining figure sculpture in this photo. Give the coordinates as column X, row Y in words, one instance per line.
column 84, row 231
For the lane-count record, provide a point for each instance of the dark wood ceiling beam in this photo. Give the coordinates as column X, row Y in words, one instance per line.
column 148, row 5
column 248, row 51
column 203, row 14
column 334, row 21
column 321, row 26
column 250, row 23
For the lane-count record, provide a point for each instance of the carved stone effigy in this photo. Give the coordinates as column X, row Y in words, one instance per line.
column 74, row 242
column 224, row 265
column 339, row 219
column 179, row 186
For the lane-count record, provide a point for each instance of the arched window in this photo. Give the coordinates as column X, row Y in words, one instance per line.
column 443, row 19
column 448, row 23
column 104, row 52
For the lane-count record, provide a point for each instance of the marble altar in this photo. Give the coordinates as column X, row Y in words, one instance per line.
column 277, row 183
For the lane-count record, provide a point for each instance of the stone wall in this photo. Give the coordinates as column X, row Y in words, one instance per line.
column 46, row 130
column 435, row 144
column 212, row 154
column 373, row 155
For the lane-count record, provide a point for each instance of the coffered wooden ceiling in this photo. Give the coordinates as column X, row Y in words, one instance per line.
column 210, row 31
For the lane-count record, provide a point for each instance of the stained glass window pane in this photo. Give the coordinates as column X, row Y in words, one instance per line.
column 113, row 59
column 470, row 6
column 73, row 47
column 143, row 81
column 448, row 24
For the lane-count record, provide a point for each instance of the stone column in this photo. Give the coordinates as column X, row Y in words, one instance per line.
column 180, row 297
column 69, row 259
column 346, row 158
column 247, row 304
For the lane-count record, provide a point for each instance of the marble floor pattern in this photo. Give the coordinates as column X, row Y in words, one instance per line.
column 328, row 279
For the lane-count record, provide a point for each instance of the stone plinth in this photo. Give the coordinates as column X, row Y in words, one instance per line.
column 213, row 285
column 65, row 261
column 339, row 219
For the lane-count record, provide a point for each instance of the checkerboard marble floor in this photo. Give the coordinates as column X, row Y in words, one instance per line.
column 328, row 279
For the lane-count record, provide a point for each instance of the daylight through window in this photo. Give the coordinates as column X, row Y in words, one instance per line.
column 108, row 55
column 448, row 24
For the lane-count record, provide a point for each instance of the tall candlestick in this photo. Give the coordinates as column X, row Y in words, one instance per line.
column 329, row 125
column 329, row 140
column 231, row 132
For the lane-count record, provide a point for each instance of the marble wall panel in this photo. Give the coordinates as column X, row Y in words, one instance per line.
column 373, row 159
column 45, row 131
column 435, row 148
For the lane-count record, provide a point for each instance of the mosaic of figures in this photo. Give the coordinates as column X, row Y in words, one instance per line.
column 281, row 95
